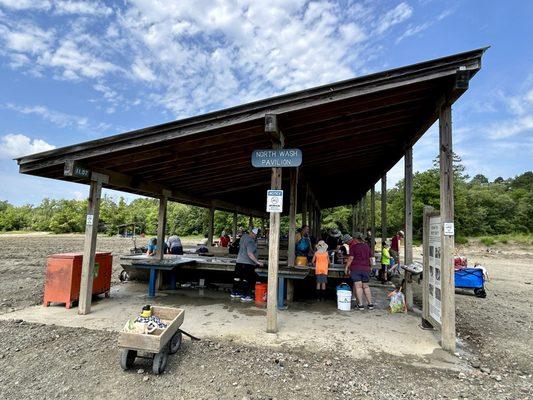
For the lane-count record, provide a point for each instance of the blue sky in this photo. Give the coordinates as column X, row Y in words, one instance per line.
column 72, row 71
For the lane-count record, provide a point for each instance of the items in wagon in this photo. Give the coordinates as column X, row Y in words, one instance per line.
column 153, row 319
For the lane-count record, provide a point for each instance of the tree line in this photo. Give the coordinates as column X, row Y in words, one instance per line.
column 481, row 208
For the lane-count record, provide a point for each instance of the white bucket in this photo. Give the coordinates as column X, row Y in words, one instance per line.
column 344, row 300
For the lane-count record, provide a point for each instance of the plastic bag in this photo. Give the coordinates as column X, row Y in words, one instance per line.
column 397, row 302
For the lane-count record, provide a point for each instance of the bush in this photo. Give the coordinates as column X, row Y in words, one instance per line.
column 461, row 240
column 487, row 241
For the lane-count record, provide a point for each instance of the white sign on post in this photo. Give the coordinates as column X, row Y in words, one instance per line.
column 449, row 229
column 89, row 220
column 274, row 201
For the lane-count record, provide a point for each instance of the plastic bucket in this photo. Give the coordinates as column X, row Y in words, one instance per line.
column 344, row 300
column 261, row 290
column 301, row 261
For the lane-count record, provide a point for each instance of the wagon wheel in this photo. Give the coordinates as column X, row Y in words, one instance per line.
column 175, row 342
column 160, row 362
column 480, row 292
column 127, row 358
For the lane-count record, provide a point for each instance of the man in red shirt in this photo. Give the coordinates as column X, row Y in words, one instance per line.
column 395, row 246
column 358, row 264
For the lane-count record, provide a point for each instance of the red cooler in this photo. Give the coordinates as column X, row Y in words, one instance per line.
column 63, row 276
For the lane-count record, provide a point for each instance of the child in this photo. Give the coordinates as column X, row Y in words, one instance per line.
column 321, row 263
column 385, row 262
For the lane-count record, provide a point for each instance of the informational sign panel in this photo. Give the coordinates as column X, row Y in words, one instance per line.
column 274, row 158
column 274, row 201
column 435, row 275
column 89, row 220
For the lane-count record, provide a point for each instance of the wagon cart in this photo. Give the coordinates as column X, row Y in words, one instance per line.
column 471, row 278
column 158, row 344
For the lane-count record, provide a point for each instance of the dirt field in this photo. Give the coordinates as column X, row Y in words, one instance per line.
column 38, row 361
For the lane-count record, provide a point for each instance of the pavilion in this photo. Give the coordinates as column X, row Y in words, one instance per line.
column 351, row 133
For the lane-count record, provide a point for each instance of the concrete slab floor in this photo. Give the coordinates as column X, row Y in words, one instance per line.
column 211, row 314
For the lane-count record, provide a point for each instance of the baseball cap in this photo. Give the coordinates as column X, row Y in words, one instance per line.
column 255, row 231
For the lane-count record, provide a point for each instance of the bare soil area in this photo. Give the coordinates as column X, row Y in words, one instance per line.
column 38, row 361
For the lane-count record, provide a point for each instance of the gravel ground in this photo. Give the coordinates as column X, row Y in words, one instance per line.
column 38, row 361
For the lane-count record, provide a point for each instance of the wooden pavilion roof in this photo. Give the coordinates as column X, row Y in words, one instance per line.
column 350, row 133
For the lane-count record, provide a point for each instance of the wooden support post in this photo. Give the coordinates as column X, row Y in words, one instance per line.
column 234, row 226
column 373, row 218
column 363, row 214
column 383, row 208
column 89, row 248
column 304, row 206
column 161, row 225
column 447, row 218
column 408, row 239
column 211, row 227
column 318, row 224
column 293, row 201
column 161, row 229
column 273, row 259
column 354, row 219
column 250, row 223
column 272, row 129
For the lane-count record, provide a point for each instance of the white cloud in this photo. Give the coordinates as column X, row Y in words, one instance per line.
column 26, row 4
column 508, row 128
column 521, row 108
column 230, row 52
column 75, row 62
column 26, row 38
column 56, row 117
column 198, row 56
column 63, row 120
column 393, row 17
column 81, row 7
column 142, row 71
column 12, row 146
column 416, row 29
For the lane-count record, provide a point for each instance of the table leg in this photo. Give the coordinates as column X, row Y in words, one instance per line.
column 172, row 280
column 151, row 283
column 281, row 293
column 290, row 290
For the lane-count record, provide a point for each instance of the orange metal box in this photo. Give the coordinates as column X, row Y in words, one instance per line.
column 63, row 276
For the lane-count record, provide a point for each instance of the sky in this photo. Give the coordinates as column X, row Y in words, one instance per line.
column 72, row 71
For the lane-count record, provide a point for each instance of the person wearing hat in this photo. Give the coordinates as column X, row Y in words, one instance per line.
column 359, row 267
column 247, row 261
column 334, row 239
column 395, row 246
column 321, row 263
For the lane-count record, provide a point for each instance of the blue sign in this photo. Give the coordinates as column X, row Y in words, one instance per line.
column 273, row 158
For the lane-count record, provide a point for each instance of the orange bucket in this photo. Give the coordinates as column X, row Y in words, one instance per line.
column 261, row 290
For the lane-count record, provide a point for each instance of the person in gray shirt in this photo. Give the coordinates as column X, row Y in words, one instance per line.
column 247, row 261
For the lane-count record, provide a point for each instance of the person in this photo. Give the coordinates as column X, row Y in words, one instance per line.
column 224, row 239
column 174, row 245
column 151, row 247
column 358, row 264
column 334, row 239
column 395, row 246
column 303, row 243
column 385, row 263
column 244, row 276
column 370, row 239
column 321, row 263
